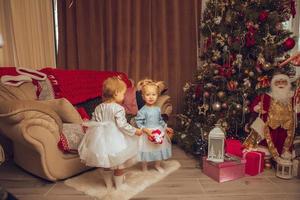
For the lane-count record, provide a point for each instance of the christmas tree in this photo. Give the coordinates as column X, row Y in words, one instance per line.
column 244, row 42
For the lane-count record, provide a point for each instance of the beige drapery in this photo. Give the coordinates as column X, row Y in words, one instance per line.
column 28, row 33
column 143, row 38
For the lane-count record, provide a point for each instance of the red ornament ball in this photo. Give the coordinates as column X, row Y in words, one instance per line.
column 263, row 16
column 289, row 43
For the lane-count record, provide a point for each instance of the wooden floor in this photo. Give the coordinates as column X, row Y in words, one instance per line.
column 187, row 183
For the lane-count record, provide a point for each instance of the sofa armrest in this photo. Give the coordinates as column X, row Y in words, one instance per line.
column 13, row 112
column 164, row 102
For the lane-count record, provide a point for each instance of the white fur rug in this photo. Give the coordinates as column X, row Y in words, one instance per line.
column 92, row 183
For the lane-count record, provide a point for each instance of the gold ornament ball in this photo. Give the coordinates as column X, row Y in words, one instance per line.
column 221, row 94
column 216, row 71
column 246, row 71
column 214, row 58
column 216, row 106
column 247, row 84
column 238, row 106
column 246, row 110
column 267, row 66
column 251, row 73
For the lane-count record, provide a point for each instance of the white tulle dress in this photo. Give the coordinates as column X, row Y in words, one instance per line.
column 109, row 142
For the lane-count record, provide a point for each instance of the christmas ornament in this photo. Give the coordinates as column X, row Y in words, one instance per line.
column 263, row 16
column 206, row 94
column 238, row 60
column 260, row 59
column 247, row 83
column 216, row 71
column 246, row 109
column 217, row 20
column 289, row 43
column 238, row 106
column 263, row 82
column 216, row 106
column 224, row 105
column 269, row 39
column 221, row 94
column 250, row 40
column 232, row 85
column 225, row 70
column 267, row 66
column 251, row 73
column 203, row 109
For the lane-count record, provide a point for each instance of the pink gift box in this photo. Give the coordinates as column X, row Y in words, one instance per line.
column 225, row 171
column 254, row 162
column 234, row 147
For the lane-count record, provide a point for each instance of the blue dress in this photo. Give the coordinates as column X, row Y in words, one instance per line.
column 150, row 117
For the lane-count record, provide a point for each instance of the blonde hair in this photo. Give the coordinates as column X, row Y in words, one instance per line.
column 143, row 82
column 111, row 86
column 150, row 84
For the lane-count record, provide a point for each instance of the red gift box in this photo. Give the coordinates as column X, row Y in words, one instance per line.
column 234, row 147
column 224, row 171
column 254, row 162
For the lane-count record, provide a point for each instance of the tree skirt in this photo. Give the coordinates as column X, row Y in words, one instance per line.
column 92, row 183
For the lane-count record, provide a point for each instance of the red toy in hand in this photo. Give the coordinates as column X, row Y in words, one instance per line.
column 157, row 137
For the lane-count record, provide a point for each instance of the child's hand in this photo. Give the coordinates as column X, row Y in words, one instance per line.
column 138, row 132
column 147, row 131
column 170, row 132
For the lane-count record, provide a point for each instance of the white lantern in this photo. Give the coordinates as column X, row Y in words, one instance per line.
column 284, row 169
column 216, row 144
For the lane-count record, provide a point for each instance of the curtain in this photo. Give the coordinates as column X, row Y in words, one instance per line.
column 144, row 38
column 28, row 33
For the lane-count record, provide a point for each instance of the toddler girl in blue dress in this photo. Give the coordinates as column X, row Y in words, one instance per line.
column 150, row 121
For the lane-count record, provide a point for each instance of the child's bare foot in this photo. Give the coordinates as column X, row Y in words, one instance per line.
column 158, row 167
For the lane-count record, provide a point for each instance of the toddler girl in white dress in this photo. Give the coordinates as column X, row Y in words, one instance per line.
column 152, row 148
column 110, row 141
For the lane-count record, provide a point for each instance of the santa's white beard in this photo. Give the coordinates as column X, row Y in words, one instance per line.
column 282, row 95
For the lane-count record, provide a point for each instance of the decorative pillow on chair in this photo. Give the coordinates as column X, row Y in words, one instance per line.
column 70, row 137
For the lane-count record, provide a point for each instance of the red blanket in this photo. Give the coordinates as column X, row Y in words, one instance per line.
column 79, row 85
column 75, row 85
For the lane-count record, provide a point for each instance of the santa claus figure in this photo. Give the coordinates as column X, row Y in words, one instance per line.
column 277, row 110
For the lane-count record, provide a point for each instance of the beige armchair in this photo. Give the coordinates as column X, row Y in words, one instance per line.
column 34, row 128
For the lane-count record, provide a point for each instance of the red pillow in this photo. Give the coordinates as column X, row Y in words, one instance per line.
column 82, row 112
